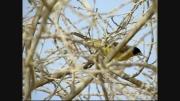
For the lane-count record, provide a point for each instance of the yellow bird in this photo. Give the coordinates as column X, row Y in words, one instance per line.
column 133, row 51
column 124, row 54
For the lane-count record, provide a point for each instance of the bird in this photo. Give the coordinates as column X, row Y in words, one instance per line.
column 107, row 48
column 133, row 51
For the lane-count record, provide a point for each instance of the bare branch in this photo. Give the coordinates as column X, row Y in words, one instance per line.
column 136, row 28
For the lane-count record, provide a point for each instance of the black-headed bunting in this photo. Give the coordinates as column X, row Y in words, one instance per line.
column 132, row 51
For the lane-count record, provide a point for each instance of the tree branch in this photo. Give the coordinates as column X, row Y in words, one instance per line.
column 136, row 28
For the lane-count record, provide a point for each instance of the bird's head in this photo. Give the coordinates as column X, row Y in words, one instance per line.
column 137, row 51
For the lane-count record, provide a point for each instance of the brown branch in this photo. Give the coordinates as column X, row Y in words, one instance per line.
column 150, row 66
column 32, row 28
column 103, row 87
column 79, row 88
column 101, row 66
column 80, row 35
column 136, row 28
column 150, row 50
column 66, row 71
column 61, row 73
column 28, row 67
column 138, row 83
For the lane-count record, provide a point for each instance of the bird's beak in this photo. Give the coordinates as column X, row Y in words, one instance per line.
column 143, row 56
column 140, row 54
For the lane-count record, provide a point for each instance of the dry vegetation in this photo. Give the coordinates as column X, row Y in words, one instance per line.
column 55, row 50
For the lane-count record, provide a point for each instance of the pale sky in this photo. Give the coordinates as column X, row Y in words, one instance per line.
column 104, row 6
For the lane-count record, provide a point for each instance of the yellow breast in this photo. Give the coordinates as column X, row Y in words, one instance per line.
column 118, row 55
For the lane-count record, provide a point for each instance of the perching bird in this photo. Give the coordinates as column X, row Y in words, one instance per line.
column 106, row 48
column 131, row 51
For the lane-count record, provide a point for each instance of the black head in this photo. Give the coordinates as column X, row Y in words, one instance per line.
column 136, row 51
